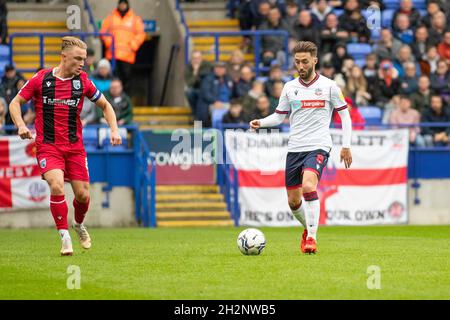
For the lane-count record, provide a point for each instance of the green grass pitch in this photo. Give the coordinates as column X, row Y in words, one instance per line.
column 205, row 263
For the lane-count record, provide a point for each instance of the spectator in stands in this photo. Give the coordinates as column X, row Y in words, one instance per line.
column 358, row 121
column 436, row 136
column 408, row 83
column 433, row 7
column 3, row 108
column 339, row 55
column 260, row 15
column 421, row 43
column 354, row 23
column 3, row 22
column 440, row 80
column 444, row 47
column 102, row 76
column 236, row 113
column 274, row 44
column 327, row 70
column 370, row 69
column 215, row 93
column 244, row 84
column 438, row 26
column 262, row 109
column 128, row 31
column 274, row 98
column 194, row 72
column 275, row 75
column 88, row 113
column 356, row 87
column 8, row 87
column 428, row 64
column 89, row 63
column 120, row 102
column 235, row 64
column 292, row 11
column 421, row 98
column 249, row 100
column 331, row 34
column 404, row 114
column 387, row 84
column 402, row 29
column 320, row 9
column 305, row 29
column 388, row 46
column 404, row 56
column 411, row 13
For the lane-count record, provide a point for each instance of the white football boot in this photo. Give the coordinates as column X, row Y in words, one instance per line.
column 66, row 247
column 83, row 235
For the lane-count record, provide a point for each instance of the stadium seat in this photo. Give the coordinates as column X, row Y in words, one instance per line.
column 392, row 4
column 375, row 34
column 338, row 12
column 90, row 138
column 216, row 117
column 103, row 138
column 372, row 114
column 360, row 62
column 4, row 52
column 420, row 4
column 359, row 50
column 386, row 18
column 423, row 12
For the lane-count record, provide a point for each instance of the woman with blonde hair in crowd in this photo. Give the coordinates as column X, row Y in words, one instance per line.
column 235, row 64
column 357, row 86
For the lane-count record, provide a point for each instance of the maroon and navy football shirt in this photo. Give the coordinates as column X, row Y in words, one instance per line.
column 58, row 103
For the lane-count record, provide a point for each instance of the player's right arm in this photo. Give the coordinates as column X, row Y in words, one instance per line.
column 275, row 118
column 16, row 116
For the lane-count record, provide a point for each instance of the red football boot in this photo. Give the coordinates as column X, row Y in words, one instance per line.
column 303, row 242
column 310, row 246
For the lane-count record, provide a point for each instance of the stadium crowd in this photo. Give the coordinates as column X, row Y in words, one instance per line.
column 404, row 74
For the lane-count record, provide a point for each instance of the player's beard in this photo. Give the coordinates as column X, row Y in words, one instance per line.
column 306, row 75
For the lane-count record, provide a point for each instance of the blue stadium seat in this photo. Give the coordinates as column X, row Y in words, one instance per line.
column 360, row 62
column 386, row 18
column 359, row 50
column 371, row 114
column 420, row 4
column 375, row 34
column 90, row 138
column 4, row 52
column 423, row 12
column 391, row 4
column 338, row 12
column 216, row 117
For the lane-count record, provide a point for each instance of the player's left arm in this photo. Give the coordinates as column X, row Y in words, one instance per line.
column 110, row 116
column 340, row 105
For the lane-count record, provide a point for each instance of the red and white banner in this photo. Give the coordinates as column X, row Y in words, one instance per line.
column 21, row 186
column 372, row 191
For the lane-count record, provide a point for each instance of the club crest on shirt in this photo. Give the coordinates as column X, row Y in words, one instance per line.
column 318, row 92
column 48, row 83
column 76, row 84
column 43, row 163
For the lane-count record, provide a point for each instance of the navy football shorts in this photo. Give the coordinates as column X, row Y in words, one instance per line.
column 298, row 162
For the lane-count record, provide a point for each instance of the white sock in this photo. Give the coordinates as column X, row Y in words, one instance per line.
column 64, row 234
column 312, row 210
column 299, row 214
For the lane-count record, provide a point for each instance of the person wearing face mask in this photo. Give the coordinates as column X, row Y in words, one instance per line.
column 128, row 30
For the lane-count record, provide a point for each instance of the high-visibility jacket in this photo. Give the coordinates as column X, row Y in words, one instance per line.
column 128, row 32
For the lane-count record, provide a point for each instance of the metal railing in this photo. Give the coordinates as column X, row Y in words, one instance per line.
column 87, row 7
column 42, row 35
column 256, row 48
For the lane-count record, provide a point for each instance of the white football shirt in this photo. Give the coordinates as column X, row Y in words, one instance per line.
column 311, row 107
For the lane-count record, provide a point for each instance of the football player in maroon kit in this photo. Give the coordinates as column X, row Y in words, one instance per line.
column 58, row 95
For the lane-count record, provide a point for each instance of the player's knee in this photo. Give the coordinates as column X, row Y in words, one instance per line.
column 56, row 187
column 309, row 186
column 82, row 196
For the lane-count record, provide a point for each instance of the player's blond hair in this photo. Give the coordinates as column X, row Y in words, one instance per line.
column 69, row 42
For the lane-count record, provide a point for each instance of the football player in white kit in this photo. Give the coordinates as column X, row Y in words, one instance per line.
column 309, row 100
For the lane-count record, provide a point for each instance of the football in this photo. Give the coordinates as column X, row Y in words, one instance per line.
column 251, row 242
